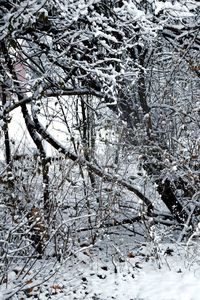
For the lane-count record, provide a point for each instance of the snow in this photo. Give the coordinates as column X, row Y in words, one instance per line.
column 109, row 271
column 172, row 281
column 120, row 266
column 167, row 285
column 175, row 9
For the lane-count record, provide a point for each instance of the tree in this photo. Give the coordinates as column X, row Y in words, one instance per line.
column 113, row 88
column 86, row 54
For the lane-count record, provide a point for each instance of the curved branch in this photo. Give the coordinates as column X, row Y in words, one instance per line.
column 98, row 171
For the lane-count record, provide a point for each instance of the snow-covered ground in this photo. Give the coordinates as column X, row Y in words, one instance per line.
column 129, row 271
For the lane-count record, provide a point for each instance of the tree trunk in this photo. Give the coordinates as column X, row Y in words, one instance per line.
column 168, row 197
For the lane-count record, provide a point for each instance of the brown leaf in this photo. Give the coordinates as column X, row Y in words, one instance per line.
column 131, row 255
column 56, row 287
column 29, row 290
column 29, row 281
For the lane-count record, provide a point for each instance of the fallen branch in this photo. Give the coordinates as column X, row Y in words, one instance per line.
column 113, row 223
column 127, row 221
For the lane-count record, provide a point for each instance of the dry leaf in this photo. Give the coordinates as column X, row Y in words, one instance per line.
column 56, row 287
column 29, row 290
column 87, row 252
column 131, row 255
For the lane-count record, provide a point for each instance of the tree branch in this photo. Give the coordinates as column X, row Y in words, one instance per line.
column 98, row 171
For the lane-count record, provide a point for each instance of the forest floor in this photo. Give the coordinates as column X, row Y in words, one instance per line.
column 115, row 268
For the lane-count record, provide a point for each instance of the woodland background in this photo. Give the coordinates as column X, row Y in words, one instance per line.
column 107, row 94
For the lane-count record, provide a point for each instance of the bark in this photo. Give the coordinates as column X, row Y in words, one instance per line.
column 45, row 169
column 168, row 197
column 31, row 129
column 5, row 128
column 87, row 138
column 158, row 219
column 3, row 96
column 96, row 170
